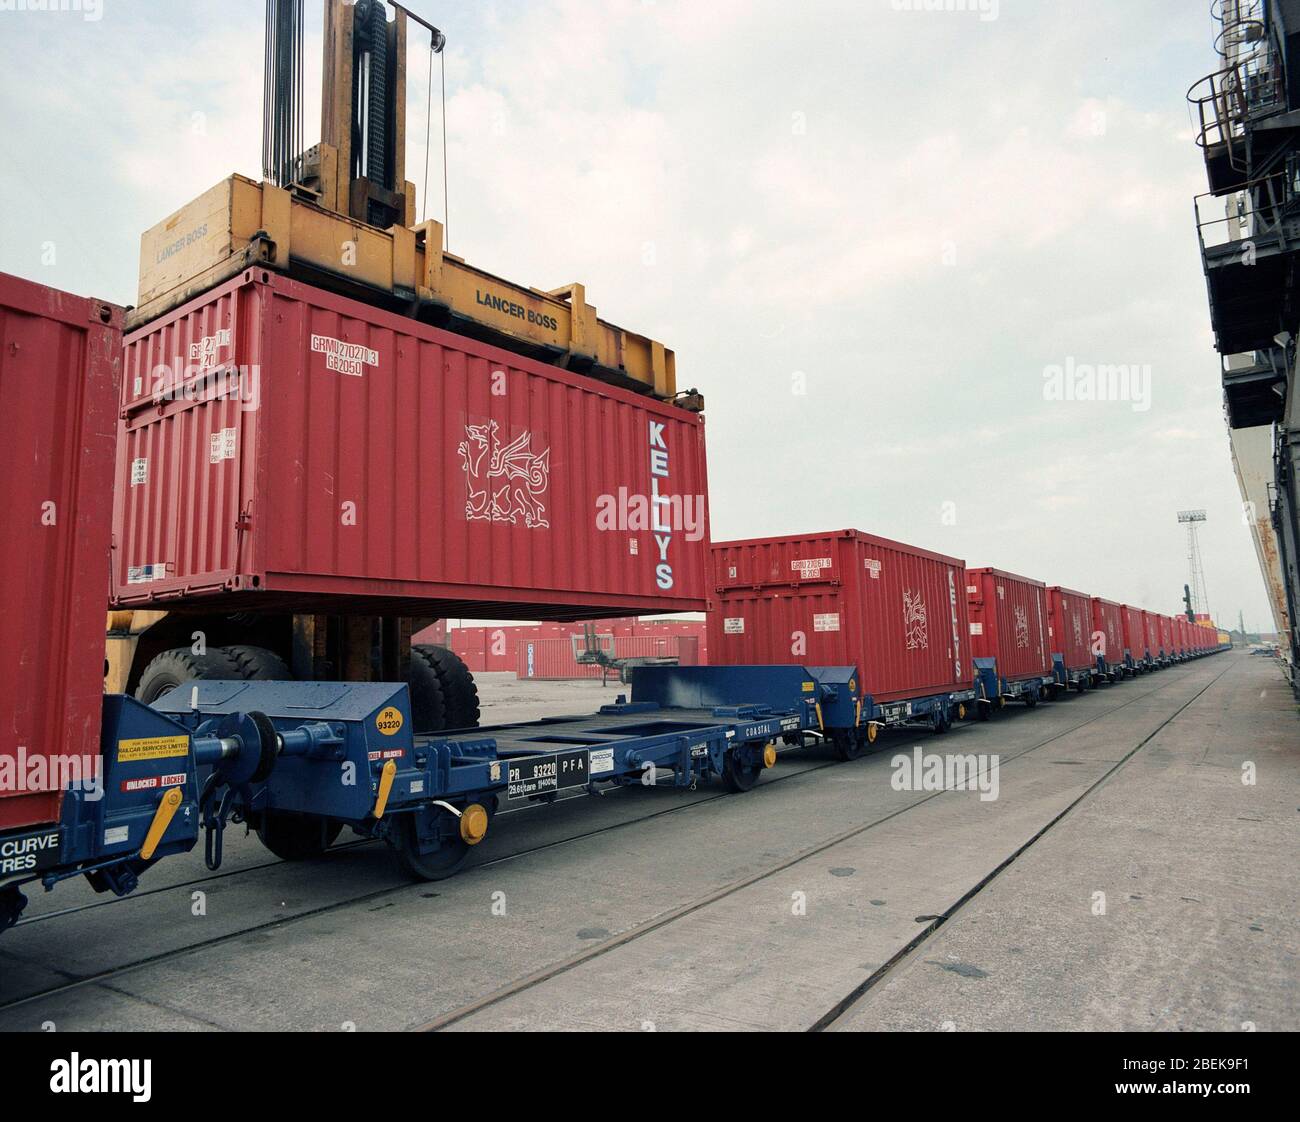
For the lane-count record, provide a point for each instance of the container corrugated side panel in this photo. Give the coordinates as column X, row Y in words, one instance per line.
column 1135, row 635
column 1108, row 629
column 1012, row 615
column 60, row 363
column 441, row 470
column 1152, row 627
column 845, row 599
column 177, row 494
column 1070, row 626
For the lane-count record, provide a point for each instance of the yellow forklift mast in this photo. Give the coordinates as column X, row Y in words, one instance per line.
column 342, row 215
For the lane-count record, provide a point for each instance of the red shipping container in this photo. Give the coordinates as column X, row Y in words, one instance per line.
column 1108, row 630
column 846, row 598
column 1008, row 622
column 1069, row 616
column 1166, row 635
column 285, row 448
column 1135, row 633
column 1152, row 624
column 60, row 365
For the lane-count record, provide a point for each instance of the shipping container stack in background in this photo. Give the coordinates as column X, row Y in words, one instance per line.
column 497, row 648
column 1009, row 645
column 60, row 365
column 554, row 659
column 1108, row 638
column 1069, row 616
column 283, row 448
column 893, row 613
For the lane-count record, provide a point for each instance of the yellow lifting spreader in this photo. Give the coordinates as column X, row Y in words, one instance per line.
column 341, row 215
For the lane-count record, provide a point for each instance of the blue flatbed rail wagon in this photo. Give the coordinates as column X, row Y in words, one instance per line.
column 300, row 761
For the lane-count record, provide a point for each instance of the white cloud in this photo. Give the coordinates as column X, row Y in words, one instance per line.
column 918, row 212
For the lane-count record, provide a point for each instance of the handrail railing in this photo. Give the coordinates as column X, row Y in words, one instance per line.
column 1248, row 87
column 1241, row 24
column 1265, row 205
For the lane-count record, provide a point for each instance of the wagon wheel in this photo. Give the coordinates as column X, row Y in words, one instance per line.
column 847, row 745
column 448, row 859
column 738, row 775
column 296, row 837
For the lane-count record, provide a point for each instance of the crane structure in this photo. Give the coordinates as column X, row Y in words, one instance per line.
column 1199, row 603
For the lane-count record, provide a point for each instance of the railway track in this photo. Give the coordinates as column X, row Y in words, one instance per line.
column 801, row 769
column 521, row 985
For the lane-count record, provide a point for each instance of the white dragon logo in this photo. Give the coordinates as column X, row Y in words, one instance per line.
column 504, row 481
column 1022, row 627
column 914, row 620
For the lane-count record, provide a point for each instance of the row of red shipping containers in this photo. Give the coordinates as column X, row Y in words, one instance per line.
column 60, row 364
column 553, row 659
column 285, row 448
column 901, row 615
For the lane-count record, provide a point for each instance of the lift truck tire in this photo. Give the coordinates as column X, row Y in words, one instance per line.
column 257, row 664
column 428, row 702
column 458, row 693
column 180, row 665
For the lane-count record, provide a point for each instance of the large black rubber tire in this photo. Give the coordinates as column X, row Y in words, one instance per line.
column 180, row 665
column 257, row 664
column 296, row 837
column 459, row 693
column 428, row 702
column 446, row 862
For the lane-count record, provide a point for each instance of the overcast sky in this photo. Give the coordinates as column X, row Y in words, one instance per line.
column 869, row 234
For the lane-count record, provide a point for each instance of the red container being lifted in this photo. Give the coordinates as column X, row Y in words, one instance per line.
column 1135, row 633
column 1008, row 622
column 845, row 598
column 1069, row 615
column 60, row 364
column 1108, row 629
column 284, row 448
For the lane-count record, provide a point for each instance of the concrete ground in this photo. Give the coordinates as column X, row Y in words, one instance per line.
column 1124, row 877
